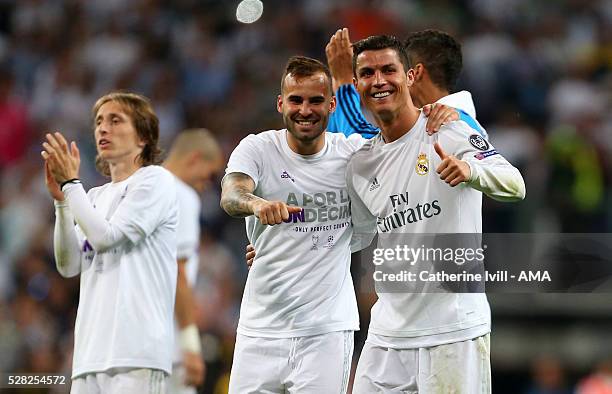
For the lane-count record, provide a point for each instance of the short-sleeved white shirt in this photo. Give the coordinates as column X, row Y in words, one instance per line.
column 300, row 282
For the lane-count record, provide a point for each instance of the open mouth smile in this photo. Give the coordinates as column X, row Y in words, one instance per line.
column 381, row 95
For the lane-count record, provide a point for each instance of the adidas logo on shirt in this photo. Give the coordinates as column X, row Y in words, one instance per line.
column 285, row 175
column 375, row 185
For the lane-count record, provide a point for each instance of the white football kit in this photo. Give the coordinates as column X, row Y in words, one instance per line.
column 300, row 283
column 188, row 241
column 124, row 247
column 395, row 189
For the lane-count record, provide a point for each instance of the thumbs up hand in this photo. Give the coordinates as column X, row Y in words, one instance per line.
column 452, row 170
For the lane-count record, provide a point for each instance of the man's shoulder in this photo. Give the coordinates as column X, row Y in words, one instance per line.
column 459, row 130
column 265, row 136
column 185, row 193
column 349, row 143
column 366, row 146
column 262, row 140
column 154, row 173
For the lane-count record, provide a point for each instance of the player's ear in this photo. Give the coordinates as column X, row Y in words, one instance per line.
column 355, row 82
column 419, row 71
column 332, row 104
column 410, row 77
column 279, row 103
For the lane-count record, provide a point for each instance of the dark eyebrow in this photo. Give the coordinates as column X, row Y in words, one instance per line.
column 295, row 97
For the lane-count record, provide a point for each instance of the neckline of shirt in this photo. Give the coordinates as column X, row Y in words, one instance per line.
column 116, row 184
column 308, row 158
column 401, row 140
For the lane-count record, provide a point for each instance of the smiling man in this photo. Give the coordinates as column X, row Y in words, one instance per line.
column 298, row 310
column 418, row 342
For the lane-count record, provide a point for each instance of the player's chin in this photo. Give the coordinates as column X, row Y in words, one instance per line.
column 307, row 132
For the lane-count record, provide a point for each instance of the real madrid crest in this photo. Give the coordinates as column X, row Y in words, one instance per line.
column 422, row 164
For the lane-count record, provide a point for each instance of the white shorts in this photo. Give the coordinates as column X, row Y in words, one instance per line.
column 176, row 383
column 458, row 368
column 122, row 381
column 314, row 364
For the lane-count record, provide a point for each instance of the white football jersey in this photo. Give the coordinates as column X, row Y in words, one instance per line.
column 395, row 190
column 300, row 282
column 187, row 240
column 125, row 316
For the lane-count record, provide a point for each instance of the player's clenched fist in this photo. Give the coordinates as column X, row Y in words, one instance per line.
column 273, row 212
column 452, row 170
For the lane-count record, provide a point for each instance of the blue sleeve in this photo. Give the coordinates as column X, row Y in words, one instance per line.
column 473, row 123
column 348, row 118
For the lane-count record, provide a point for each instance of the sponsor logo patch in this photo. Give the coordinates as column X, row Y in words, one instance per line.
column 375, row 185
column 484, row 155
column 422, row 164
column 478, row 142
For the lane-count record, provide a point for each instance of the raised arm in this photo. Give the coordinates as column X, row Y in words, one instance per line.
column 348, row 117
column 65, row 242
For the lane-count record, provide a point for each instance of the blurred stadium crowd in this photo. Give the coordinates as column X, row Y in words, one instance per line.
column 540, row 73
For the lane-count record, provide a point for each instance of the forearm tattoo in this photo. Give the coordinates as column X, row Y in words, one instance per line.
column 237, row 193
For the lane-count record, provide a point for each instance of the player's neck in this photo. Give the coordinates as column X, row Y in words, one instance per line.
column 400, row 124
column 306, row 148
column 433, row 96
column 122, row 170
column 429, row 95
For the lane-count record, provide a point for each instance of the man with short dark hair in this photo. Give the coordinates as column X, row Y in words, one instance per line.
column 298, row 311
column 437, row 61
column 420, row 342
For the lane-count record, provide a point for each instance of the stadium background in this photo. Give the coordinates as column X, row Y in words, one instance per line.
column 540, row 73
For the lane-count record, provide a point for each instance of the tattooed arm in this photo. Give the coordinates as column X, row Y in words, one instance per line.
column 237, row 195
column 238, row 200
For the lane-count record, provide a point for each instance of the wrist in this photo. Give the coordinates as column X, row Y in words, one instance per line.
column 60, row 203
column 189, row 339
column 470, row 170
column 253, row 204
column 68, row 182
